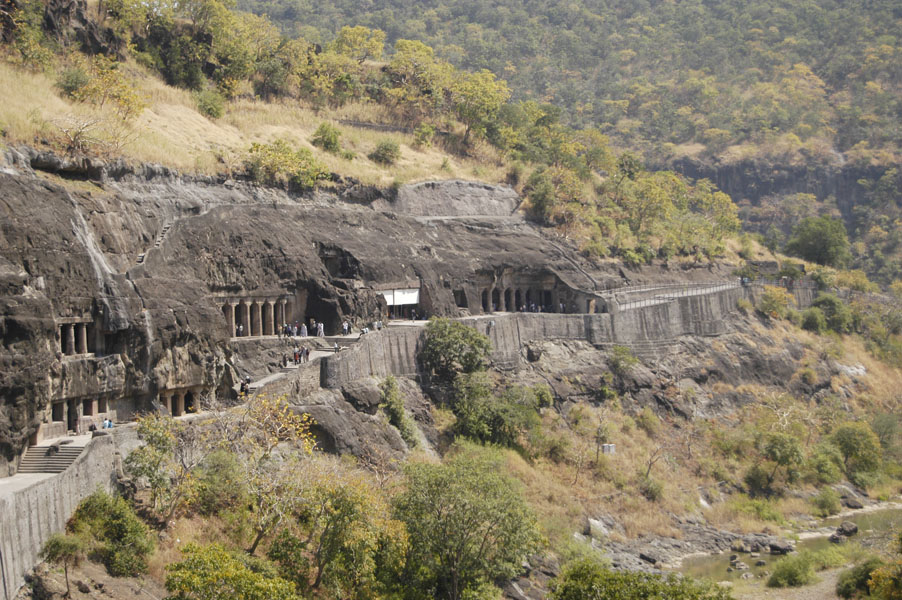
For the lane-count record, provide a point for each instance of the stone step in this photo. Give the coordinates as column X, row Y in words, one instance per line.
column 37, row 459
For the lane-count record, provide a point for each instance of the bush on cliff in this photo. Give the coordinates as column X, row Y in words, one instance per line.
column 116, row 535
column 451, row 347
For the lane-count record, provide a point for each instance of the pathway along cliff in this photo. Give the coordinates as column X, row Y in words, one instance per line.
column 125, row 290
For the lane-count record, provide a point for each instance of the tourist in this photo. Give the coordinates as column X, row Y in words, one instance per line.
column 240, row 330
column 344, row 328
column 320, row 332
column 306, row 354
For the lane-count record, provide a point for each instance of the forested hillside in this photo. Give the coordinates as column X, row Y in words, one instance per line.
column 807, row 79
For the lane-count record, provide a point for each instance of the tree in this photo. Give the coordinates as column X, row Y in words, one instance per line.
column 775, row 301
column 65, row 549
column 820, row 239
column 588, row 579
column 477, row 98
column 171, row 451
column 467, row 522
column 359, row 43
column 784, row 451
column 211, row 572
column 452, row 347
column 484, row 417
column 859, row 447
column 352, row 546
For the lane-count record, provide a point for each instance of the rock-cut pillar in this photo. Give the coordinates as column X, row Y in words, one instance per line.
column 268, row 318
column 257, row 318
column 81, row 338
column 69, row 337
column 246, row 317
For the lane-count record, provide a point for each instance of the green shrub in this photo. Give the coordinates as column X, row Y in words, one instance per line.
column 826, row 503
column 278, row 163
column 744, row 306
column 589, row 579
column 210, row 103
column 423, row 135
column 72, row 80
column 774, row 302
column 756, row 507
column 387, row 152
column 826, row 464
column 118, row 538
column 793, row 571
column 621, row 360
column 838, row 316
column 648, row 421
column 544, row 397
column 853, row 582
column 327, row 137
column 650, row 487
column 218, row 484
column 393, row 405
column 813, row 319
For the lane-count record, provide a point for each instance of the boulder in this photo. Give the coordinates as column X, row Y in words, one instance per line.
column 847, row 528
column 781, row 547
column 853, row 503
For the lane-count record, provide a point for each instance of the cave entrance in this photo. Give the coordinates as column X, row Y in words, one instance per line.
column 58, row 412
column 460, row 299
column 496, row 300
column 507, row 300
column 485, row 301
column 190, row 402
column 72, row 415
column 519, row 299
column 547, row 301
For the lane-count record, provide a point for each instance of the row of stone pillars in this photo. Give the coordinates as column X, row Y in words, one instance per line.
column 511, row 300
column 74, row 338
column 179, row 402
column 255, row 317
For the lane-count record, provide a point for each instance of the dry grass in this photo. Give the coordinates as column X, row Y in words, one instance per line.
column 171, row 131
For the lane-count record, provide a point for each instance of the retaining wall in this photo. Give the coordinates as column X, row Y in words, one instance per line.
column 29, row 516
column 394, row 349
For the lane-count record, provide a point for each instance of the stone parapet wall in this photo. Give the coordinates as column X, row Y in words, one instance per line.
column 394, row 350
column 29, row 516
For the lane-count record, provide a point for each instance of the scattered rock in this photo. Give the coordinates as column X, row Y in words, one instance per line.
column 83, row 587
column 760, row 563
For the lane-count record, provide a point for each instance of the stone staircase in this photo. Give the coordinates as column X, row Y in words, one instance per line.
column 43, row 459
column 156, row 244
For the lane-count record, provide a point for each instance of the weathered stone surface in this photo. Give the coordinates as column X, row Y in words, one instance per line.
column 847, row 528
column 453, row 198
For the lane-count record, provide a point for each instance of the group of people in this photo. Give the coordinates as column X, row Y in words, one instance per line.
column 107, row 424
column 301, row 329
column 245, row 386
column 301, row 355
column 533, row 307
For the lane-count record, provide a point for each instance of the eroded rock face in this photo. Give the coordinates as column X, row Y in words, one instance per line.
column 114, row 279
